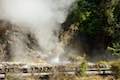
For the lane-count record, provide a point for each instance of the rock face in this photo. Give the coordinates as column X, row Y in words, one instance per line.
column 17, row 44
column 11, row 39
column 4, row 45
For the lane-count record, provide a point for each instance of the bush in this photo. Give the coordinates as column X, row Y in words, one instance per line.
column 115, row 67
column 82, row 69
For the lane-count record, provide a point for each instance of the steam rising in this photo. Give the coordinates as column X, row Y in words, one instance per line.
column 40, row 17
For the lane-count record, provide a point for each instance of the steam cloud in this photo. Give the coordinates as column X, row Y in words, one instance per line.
column 42, row 18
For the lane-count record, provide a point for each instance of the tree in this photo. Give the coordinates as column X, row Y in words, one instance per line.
column 115, row 47
column 98, row 19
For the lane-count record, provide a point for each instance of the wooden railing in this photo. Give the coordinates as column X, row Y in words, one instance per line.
column 26, row 70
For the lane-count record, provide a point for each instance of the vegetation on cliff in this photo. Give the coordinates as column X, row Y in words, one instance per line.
column 98, row 21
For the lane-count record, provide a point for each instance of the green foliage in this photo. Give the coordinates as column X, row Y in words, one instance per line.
column 116, row 29
column 115, row 67
column 83, row 68
column 94, row 17
column 88, row 15
column 115, row 49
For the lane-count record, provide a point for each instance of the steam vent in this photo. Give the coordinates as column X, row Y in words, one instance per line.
column 59, row 40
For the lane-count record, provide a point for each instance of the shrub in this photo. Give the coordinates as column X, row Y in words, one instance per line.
column 83, row 68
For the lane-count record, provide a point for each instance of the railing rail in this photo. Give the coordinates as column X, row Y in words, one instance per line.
column 25, row 70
